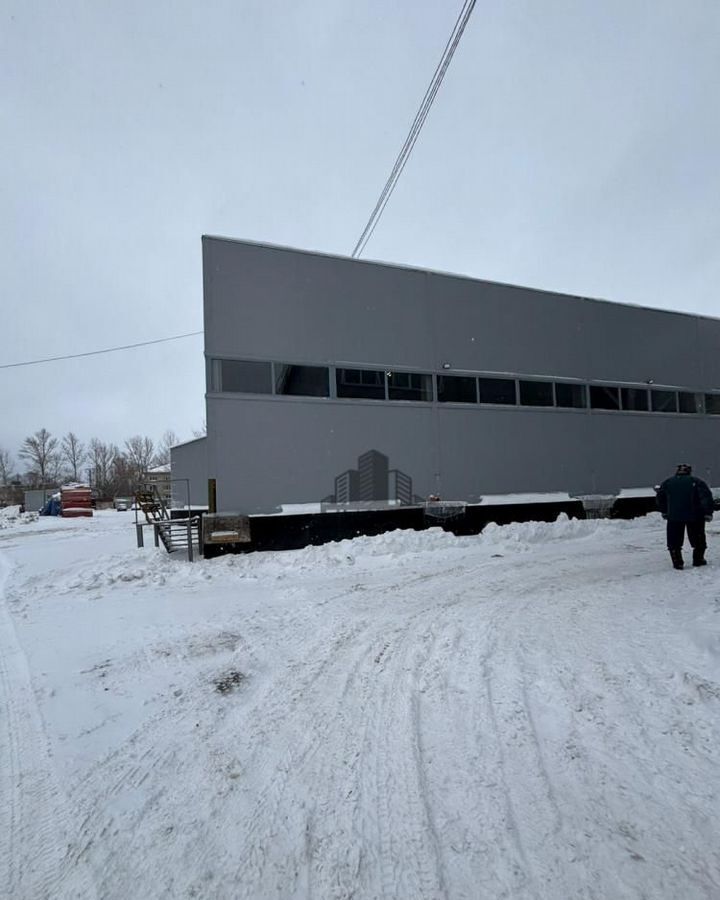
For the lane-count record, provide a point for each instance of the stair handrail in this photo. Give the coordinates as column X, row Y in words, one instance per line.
column 150, row 488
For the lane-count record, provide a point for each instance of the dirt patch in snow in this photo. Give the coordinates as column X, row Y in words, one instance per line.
column 229, row 682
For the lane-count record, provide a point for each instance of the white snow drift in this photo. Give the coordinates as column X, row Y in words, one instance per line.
column 529, row 713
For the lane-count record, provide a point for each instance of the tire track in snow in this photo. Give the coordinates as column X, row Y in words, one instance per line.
column 484, row 856
column 145, row 758
column 591, row 719
column 549, row 849
column 37, row 834
column 400, row 767
column 642, row 763
column 392, row 770
column 294, row 719
column 357, row 657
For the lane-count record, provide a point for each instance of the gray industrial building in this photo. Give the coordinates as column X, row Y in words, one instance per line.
column 342, row 381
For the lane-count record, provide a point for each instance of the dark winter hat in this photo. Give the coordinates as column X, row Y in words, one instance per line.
column 684, row 469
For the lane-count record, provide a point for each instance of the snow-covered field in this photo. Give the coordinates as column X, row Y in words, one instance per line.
column 530, row 713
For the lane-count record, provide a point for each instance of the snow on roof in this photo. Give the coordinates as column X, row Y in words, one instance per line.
column 203, row 437
column 159, row 469
column 509, row 499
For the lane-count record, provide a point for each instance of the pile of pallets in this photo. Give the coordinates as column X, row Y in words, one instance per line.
column 75, row 501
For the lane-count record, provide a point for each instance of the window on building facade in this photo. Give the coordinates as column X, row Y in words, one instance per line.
column 689, row 402
column 536, row 393
column 302, row 381
column 497, row 390
column 712, row 404
column 663, row 401
column 409, row 386
column 241, row 376
column 366, row 384
column 602, row 397
column 634, row 399
column 571, row 396
column 457, row 389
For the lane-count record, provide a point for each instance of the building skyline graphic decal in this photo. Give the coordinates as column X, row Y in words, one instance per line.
column 372, row 482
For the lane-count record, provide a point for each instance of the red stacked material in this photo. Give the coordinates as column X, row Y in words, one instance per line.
column 75, row 501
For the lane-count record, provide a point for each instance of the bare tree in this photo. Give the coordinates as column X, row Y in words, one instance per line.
column 73, row 453
column 140, row 453
column 124, row 480
column 168, row 440
column 6, row 465
column 41, row 450
column 201, row 431
column 101, row 458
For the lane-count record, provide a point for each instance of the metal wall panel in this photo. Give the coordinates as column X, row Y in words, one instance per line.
column 189, row 460
column 277, row 304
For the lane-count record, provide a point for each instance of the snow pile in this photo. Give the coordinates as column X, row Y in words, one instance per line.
column 403, row 547
column 11, row 516
column 136, row 567
column 528, row 534
column 411, row 715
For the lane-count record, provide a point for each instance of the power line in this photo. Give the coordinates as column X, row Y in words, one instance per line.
column 36, row 362
column 416, row 127
column 386, row 193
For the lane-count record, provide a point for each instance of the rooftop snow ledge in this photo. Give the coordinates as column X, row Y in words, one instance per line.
column 507, row 499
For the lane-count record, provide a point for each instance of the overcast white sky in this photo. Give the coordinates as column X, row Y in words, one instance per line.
column 573, row 146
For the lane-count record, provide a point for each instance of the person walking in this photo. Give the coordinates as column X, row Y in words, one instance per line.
column 687, row 503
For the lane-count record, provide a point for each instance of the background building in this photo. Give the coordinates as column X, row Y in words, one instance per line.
column 160, row 477
column 329, row 377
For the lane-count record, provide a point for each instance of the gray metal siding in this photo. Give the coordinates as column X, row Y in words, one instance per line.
column 276, row 304
column 291, row 452
column 189, row 460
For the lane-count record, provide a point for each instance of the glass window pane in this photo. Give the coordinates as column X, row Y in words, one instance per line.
column 457, row 389
column 245, row 377
column 712, row 404
column 570, row 395
column 364, row 383
column 689, row 402
column 497, row 390
column 663, row 401
column 634, row 398
column 602, row 397
column 536, row 393
column 303, row 381
column 215, row 375
column 409, row 386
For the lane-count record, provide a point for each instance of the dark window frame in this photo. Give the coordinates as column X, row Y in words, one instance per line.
column 300, row 393
column 655, row 406
column 527, row 383
column 607, row 388
column 581, row 388
column 354, row 388
column 413, row 394
column 456, row 379
column 628, row 395
column 220, row 376
column 578, row 395
column 698, row 403
column 500, row 379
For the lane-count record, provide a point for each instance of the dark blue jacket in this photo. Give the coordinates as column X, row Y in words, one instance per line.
column 684, row 498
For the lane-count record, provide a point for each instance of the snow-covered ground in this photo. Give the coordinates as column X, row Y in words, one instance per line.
column 530, row 713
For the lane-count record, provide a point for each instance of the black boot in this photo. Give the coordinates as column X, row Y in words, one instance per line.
column 677, row 560
column 699, row 557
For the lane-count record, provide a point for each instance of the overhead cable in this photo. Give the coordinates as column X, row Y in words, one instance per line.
column 46, row 359
column 416, row 126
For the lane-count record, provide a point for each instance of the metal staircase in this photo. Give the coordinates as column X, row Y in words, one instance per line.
column 175, row 534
